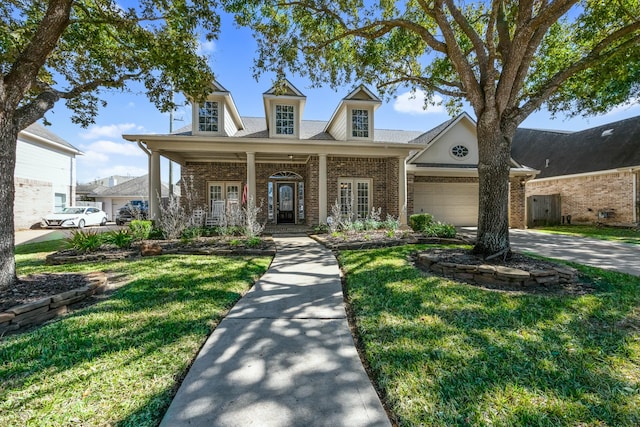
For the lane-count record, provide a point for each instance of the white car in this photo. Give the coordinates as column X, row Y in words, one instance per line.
column 79, row 217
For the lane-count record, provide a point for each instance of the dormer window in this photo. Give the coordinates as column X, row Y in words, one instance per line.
column 208, row 116
column 285, row 119
column 360, row 123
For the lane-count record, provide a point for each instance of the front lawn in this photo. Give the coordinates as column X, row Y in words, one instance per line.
column 448, row 353
column 622, row 235
column 119, row 361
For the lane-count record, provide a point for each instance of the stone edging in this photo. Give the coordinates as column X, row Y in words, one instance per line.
column 485, row 274
column 37, row 312
column 374, row 244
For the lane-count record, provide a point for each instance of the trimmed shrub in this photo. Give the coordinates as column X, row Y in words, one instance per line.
column 140, row 229
column 120, row 238
column 439, row 229
column 419, row 222
column 85, row 241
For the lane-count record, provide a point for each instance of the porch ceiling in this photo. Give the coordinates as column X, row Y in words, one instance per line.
column 197, row 149
column 235, row 157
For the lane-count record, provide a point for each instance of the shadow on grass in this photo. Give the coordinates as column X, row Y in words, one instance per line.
column 130, row 348
column 447, row 353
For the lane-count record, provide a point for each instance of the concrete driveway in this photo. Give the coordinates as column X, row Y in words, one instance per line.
column 43, row 234
column 620, row 257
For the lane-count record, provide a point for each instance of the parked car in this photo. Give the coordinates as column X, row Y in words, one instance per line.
column 75, row 216
column 134, row 209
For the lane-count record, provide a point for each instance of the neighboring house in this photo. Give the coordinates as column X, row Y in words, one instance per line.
column 87, row 191
column 113, row 198
column 299, row 169
column 45, row 175
column 595, row 172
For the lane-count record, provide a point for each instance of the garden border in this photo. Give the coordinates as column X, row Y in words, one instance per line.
column 37, row 312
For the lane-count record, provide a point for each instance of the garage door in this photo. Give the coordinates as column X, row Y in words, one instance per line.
column 454, row 203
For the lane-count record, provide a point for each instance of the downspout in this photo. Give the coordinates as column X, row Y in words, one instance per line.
column 635, row 197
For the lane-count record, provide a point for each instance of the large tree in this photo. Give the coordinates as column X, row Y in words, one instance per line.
column 72, row 50
column 506, row 58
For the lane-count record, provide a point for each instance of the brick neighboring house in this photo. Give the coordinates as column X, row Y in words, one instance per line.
column 301, row 168
column 45, row 175
column 595, row 171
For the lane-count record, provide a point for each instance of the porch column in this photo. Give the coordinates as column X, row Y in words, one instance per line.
column 155, row 189
column 322, row 189
column 402, row 191
column 251, row 176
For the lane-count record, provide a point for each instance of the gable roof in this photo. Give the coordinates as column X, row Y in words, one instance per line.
column 133, row 188
column 255, row 127
column 359, row 94
column 42, row 133
column 555, row 153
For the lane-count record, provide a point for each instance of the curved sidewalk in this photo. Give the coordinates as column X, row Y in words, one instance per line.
column 284, row 355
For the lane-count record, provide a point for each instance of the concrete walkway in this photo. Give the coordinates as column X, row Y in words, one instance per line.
column 622, row 257
column 284, row 356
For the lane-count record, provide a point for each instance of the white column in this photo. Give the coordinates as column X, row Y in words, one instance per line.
column 154, row 185
column 251, row 176
column 322, row 189
column 402, row 191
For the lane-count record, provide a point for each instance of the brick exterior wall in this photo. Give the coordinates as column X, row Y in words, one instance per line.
column 383, row 172
column 202, row 173
column 33, row 200
column 384, row 175
column 517, row 203
column 583, row 197
column 312, row 191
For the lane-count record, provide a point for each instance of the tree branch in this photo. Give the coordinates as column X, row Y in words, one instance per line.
column 473, row 91
column 26, row 67
column 597, row 55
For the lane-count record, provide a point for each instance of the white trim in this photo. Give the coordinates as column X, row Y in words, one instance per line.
column 582, row 175
column 36, row 138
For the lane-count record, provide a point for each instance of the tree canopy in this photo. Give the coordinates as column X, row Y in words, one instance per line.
column 524, row 53
column 73, row 50
column 507, row 58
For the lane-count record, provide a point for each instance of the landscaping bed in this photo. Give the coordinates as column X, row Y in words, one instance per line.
column 379, row 239
column 198, row 246
column 517, row 273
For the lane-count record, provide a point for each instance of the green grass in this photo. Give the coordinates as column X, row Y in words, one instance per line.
column 447, row 353
column 118, row 362
column 623, row 235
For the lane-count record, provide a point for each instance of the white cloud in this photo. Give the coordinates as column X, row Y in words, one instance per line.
column 93, row 158
column 123, row 170
column 108, row 131
column 631, row 104
column 110, row 147
column 413, row 103
column 206, row 47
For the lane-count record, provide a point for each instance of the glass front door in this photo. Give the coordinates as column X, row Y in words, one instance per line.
column 286, row 203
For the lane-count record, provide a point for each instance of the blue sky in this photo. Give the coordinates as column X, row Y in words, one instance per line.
column 231, row 56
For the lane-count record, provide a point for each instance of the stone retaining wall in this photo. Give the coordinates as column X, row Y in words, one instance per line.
column 47, row 308
column 485, row 274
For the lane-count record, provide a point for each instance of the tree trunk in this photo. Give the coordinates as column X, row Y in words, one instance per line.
column 494, row 147
column 8, row 140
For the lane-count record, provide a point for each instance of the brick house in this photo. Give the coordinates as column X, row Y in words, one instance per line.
column 45, row 175
column 595, row 172
column 300, row 168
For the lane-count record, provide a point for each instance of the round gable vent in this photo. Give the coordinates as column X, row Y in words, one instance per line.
column 459, row 151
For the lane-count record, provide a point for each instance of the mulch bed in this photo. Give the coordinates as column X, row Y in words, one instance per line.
column 517, row 261
column 37, row 286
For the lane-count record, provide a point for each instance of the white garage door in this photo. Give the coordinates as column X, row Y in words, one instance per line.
column 453, row 203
